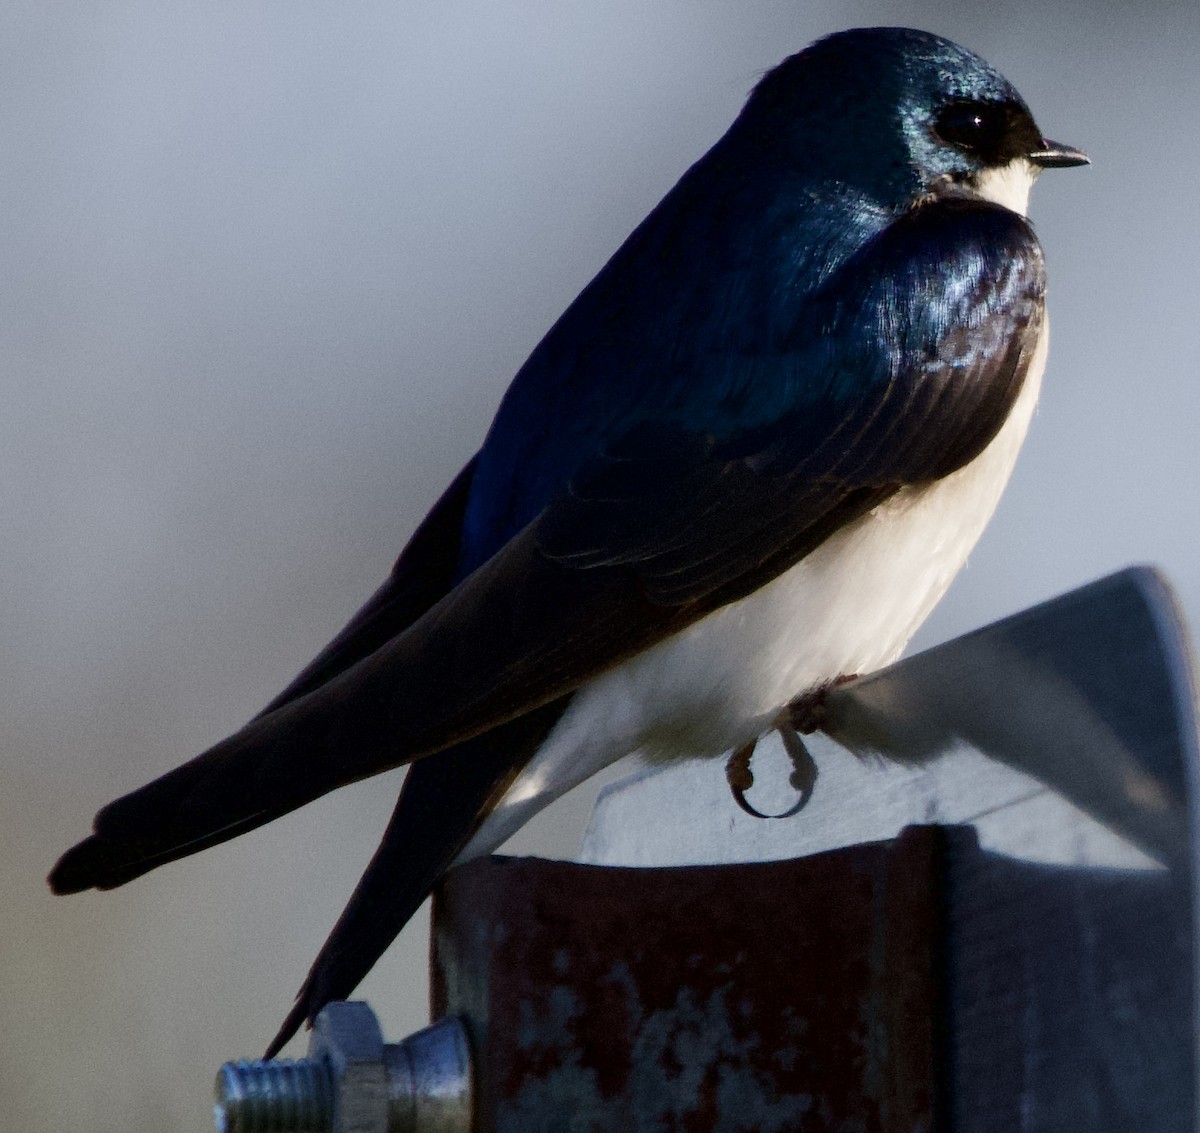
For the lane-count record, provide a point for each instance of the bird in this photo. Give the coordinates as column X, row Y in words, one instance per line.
column 744, row 464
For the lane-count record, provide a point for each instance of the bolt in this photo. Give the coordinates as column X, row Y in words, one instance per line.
column 261, row 1097
column 353, row 1082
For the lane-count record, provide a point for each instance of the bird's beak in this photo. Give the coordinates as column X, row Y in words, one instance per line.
column 1054, row 155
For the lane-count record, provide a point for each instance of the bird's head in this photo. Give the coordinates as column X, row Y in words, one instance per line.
column 900, row 115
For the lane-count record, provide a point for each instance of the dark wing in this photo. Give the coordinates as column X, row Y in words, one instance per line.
column 423, row 573
column 902, row 368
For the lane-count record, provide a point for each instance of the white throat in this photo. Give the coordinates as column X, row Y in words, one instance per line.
column 1007, row 185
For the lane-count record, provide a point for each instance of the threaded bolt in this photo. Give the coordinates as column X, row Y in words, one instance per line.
column 270, row 1097
column 352, row 1082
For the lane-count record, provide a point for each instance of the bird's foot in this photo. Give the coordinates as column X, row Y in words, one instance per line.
column 805, row 714
column 803, row 777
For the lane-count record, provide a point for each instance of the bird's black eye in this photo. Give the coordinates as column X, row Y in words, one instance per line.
column 977, row 127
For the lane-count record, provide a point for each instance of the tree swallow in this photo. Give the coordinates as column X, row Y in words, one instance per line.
column 747, row 461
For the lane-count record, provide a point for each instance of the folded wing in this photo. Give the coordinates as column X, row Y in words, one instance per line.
column 897, row 370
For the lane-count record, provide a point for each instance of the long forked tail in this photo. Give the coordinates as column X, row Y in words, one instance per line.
column 443, row 799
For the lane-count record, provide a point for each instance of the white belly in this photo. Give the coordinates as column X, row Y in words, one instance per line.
column 848, row 608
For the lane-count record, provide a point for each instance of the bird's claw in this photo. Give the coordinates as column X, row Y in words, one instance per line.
column 804, row 769
column 805, row 714
column 803, row 777
column 740, row 778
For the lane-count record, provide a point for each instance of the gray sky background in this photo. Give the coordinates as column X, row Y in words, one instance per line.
column 267, row 269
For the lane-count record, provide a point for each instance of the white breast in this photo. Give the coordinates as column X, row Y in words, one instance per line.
column 848, row 608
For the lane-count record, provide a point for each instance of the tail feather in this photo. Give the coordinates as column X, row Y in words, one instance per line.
column 272, row 766
column 365, row 720
column 109, row 861
column 313, row 737
column 440, row 806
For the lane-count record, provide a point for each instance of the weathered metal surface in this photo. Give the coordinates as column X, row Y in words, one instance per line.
column 1069, row 994
column 700, row 998
column 923, row 984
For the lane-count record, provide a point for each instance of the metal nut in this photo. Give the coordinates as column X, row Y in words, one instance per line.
column 353, row 1082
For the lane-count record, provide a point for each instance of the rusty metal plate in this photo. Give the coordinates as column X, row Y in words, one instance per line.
column 700, row 998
